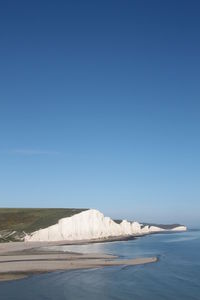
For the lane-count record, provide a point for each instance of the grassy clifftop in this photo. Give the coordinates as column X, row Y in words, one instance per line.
column 30, row 219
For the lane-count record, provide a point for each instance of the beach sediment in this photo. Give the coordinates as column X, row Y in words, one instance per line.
column 19, row 260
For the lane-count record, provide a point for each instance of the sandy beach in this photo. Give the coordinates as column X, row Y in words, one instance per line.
column 19, row 260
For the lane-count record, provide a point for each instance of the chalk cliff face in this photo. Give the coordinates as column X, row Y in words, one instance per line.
column 179, row 228
column 87, row 225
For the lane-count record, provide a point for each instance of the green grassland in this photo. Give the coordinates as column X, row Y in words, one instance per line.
column 26, row 220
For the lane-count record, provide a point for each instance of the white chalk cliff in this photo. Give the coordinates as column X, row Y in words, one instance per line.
column 179, row 228
column 91, row 224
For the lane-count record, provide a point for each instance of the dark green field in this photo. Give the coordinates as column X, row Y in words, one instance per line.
column 30, row 219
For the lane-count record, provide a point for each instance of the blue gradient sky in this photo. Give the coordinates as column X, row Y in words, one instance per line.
column 100, row 107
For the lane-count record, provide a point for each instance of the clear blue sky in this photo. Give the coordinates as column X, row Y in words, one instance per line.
column 100, row 107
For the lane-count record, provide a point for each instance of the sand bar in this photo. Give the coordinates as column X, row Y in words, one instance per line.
column 19, row 260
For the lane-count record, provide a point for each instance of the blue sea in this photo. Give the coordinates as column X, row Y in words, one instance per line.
column 175, row 276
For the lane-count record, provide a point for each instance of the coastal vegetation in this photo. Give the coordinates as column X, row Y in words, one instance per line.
column 15, row 222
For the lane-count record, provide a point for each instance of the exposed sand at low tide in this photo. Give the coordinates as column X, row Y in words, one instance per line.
column 18, row 260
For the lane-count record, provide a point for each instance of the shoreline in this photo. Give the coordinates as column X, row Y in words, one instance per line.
column 19, row 260
column 43, row 267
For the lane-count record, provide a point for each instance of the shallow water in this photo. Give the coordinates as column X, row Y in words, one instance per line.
column 175, row 276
